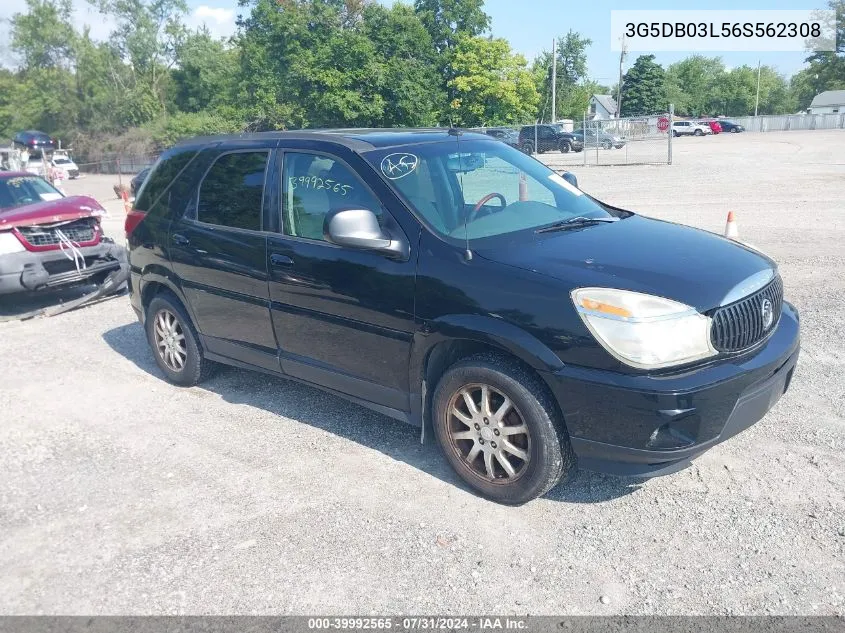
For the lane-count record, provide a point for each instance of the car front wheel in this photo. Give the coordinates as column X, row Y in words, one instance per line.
column 698, row 133
column 500, row 430
column 175, row 343
column 565, row 147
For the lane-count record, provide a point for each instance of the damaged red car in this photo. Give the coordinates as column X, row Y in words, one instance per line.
column 49, row 241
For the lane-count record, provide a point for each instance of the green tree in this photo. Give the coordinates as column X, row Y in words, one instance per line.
column 826, row 69
column 692, row 83
column 412, row 89
column 492, row 85
column 43, row 36
column 572, row 87
column 448, row 20
column 205, row 73
column 643, row 88
column 42, row 94
column 147, row 36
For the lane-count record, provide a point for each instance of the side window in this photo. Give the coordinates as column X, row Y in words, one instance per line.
column 314, row 185
column 232, row 191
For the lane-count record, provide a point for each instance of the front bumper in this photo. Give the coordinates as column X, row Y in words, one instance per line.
column 654, row 425
column 30, row 271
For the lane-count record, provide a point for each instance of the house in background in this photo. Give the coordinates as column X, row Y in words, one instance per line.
column 828, row 102
column 602, row 107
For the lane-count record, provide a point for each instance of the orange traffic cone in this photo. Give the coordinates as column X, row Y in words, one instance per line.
column 731, row 229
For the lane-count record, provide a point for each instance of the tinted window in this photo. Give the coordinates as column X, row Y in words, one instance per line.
column 158, row 192
column 313, row 186
column 232, row 191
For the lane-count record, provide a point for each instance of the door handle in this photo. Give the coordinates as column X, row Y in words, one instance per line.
column 277, row 259
column 180, row 240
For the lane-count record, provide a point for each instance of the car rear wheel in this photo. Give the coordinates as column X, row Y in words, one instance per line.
column 564, row 147
column 500, row 430
column 698, row 133
column 175, row 343
column 607, row 145
column 527, row 148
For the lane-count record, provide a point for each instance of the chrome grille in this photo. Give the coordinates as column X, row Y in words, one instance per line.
column 79, row 231
column 741, row 325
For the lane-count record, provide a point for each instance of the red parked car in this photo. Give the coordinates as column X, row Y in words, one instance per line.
column 715, row 126
column 48, row 240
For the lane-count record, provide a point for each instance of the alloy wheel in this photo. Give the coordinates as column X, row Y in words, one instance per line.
column 488, row 434
column 170, row 340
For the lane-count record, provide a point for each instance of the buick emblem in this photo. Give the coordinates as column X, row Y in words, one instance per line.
column 767, row 314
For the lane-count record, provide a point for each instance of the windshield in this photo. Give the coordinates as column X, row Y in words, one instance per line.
column 481, row 189
column 21, row 190
column 61, row 161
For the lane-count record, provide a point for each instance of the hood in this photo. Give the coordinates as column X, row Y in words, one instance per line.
column 670, row 260
column 49, row 211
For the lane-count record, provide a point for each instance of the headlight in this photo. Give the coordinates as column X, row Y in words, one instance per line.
column 10, row 244
column 642, row 330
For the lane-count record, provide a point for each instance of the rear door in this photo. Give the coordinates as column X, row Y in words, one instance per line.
column 343, row 317
column 546, row 138
column 219, row 252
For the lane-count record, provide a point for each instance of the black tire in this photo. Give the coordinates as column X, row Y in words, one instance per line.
column 527, row 148
column 565, row 147
column 195, row 368
column 734, row 130
column 547, row 445
column 698, row 133
column 607, row 145
column 675, row 133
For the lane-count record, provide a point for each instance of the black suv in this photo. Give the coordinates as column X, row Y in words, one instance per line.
column 547, row 138
column 450, row 281
column 34, row 140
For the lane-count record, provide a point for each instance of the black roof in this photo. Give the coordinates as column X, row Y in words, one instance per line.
column 358, row 139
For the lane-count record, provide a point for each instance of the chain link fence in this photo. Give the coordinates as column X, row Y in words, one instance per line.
column 125, row 164
column 623, row 141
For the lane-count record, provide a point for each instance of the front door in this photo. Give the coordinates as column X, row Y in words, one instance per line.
column 343, row 317
column 219, row 253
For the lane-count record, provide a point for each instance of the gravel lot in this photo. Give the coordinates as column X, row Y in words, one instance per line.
column 122, row 494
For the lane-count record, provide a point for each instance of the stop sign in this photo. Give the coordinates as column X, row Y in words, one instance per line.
column 663, row 124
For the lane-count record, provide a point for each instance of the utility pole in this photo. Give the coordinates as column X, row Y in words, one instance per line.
column 619, row 85
column 757, row 101
column 554, row 80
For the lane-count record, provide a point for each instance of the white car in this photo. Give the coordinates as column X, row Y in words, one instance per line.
column 64, row 162
column 690, row 128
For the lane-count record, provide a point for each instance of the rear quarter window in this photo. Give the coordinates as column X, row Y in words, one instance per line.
column 169, row 186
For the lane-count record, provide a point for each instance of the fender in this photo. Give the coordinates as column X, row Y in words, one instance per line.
column 156, row 273
column 485, row 329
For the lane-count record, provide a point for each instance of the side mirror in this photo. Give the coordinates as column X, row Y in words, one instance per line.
column 359, row 228
column 569, row 177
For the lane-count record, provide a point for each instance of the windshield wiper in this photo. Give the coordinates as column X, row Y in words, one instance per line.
column 573, row 223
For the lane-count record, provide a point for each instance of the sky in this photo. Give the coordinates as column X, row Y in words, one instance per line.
column 529, row 26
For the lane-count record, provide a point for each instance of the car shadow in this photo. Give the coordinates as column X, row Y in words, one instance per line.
column 312, row 406
column 20, row 307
